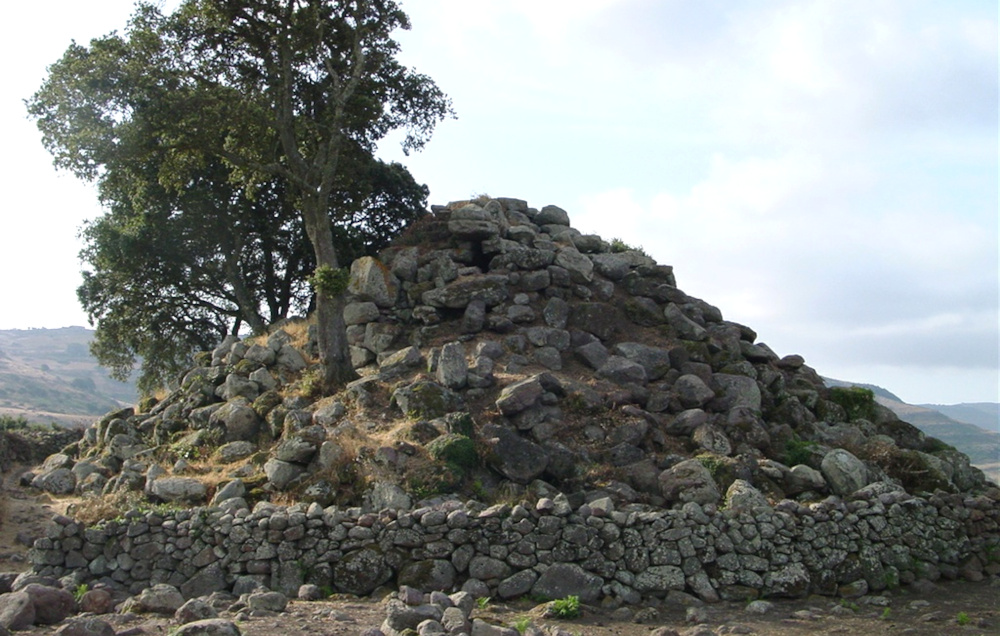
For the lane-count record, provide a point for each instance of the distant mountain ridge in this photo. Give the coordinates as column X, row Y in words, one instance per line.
column 48, row 375
column 972, row 428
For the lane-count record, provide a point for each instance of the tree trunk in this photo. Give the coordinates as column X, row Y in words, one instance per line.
column 331, row 331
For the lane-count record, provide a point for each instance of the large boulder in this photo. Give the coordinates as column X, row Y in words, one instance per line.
column 520, row 396
column 16, row 611
column 513, row 456
column 492, row 289
column 238, row 421
column 361, row 571
column 687, row 481
column 426, row 400
column 158, row 599
column 178, row 490
column 372, row 281
column 844, row 472
column 58, row 481
column 568, row 579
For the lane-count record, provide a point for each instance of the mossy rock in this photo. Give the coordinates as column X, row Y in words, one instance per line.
column 454, row 449
column 460, row 423
column 246, row 367
column 426, row 400
column 266, row 402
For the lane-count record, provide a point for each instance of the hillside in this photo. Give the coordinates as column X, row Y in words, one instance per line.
column 48, row 375
column 971, row 428
column 985, row 415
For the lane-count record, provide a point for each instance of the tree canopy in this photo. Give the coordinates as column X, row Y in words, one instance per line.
column 233, row 145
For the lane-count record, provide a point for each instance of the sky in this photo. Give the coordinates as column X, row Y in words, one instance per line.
column 823, row 171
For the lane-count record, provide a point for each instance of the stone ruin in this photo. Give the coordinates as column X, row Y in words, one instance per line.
column 540, row 412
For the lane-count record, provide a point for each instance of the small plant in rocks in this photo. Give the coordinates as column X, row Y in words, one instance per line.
column 963, row 618
column 567, row 607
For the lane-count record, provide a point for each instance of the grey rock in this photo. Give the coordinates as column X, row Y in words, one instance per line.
column 426, row 400
column 178, row 490
column 712, row 439
column 491, row 289
column 600, row 319
column 209, row 579
column 579, row 266
column 209, row 627
column 743, row 497
column 736, row 391
column 361, row 571
column 844, row 472
column 552, row 215
column 516, row 458
column 359, row 313
column 658, row 578
column 593, row 354
column 238, row 386
column 195, row 609
column 89, row 626
column 58, row 481
column 621, row 370
column 238, row 420
column 689, row 480
column 290, row 359
column 371, row 281
column 519, row 396
column 453, row 368
column 692, row 391
column 686, row 422
column 235, row 451
column 400, row 362
column 685, row 327
column 802, row 478
column 654, row 360
column 268, row 601
column 16, row 611
column 281, row 473
column 565, row 579
column 231, row 490
column 429, row 574
column 613, row 266
column 158, row 599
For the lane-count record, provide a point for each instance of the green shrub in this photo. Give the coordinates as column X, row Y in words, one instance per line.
column 798, row 451
column 568, row 607
column 618, row 246
column 963, row 618
column 857, row 402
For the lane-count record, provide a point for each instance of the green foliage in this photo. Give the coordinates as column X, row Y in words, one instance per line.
column 457, row 451
column 851, row 605
column 521, row 624
column 886, row 614
column 79, row 591
column 483, row 602
column 11, row 423
column 618, row 246
column 798, row 451
column 231, row 166
column 567, row 607
column 858, row 402
column 963, row 618
column 329, row 281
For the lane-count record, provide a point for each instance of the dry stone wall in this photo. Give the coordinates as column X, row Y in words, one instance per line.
column 880, row 538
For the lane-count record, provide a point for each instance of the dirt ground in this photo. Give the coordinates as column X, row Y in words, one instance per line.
column 926, row 609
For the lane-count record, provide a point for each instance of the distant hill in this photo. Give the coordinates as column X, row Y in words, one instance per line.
column 982, row 414
column 48, row 375
column 971, row 428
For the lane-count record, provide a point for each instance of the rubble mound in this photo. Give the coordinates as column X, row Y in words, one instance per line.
column 531, row 372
